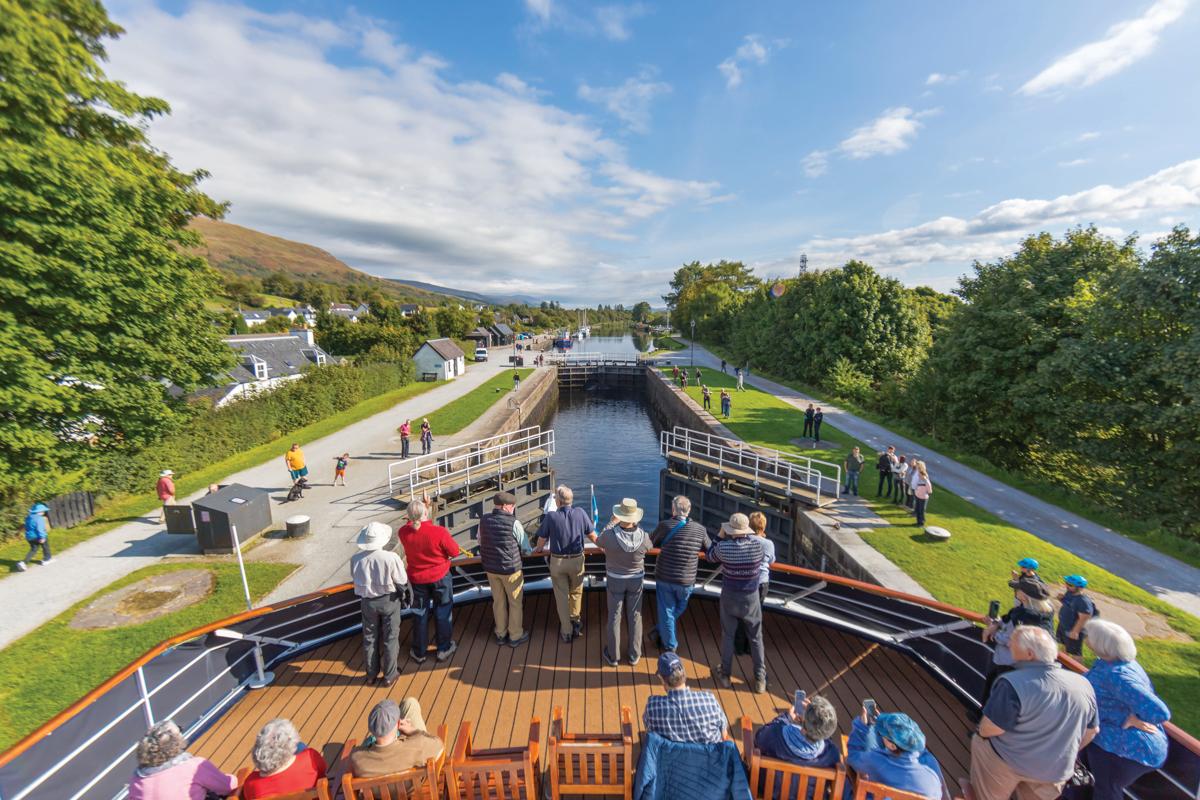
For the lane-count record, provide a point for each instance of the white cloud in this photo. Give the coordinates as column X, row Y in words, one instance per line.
column 889, row 133
column 629, row 102
column 614, row 20
column 1087, row 136
column 753, row 50
column 1075, row 162
column 997, row 229
column 540, row 8
column 1123, row 44
column 388, row 164
column 609, row 21
column 816, row 163
column 938, row 78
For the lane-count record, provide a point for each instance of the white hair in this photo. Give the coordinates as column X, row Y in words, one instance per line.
column 161, row 743
column 275, row 745
column 681, row 506
column 1035, row 641
column 1109, row 641
column 565, row 496
column 416, row 511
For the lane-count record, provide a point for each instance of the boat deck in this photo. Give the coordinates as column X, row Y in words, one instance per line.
column 500, row 688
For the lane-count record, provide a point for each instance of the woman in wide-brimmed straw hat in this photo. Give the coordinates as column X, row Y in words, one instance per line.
column 624, row 544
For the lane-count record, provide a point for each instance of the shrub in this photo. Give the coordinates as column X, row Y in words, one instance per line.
column 847, row 382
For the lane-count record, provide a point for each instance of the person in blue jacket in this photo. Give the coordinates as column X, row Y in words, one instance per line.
column 37, row 533
column 892, row 752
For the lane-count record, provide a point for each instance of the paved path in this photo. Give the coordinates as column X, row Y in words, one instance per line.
column 337, row 513
column 1168, row 578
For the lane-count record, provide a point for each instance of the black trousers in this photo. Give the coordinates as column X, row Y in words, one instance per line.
column 885, row 478
column 807, row 428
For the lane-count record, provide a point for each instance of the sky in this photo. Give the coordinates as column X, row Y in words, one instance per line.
column 583, row 151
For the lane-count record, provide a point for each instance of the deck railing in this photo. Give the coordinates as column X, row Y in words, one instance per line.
column 597, row 359
column 464, row 463
column 87, row 750
column 789, row 471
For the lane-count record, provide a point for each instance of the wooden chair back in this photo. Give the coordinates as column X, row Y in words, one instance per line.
column 318, row 792
column 879, row 791
column 775, row 779
column 505, row 773
column 418, row 783
column 590, row 763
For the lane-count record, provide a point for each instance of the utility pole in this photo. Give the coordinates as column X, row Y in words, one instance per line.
column 693, row 341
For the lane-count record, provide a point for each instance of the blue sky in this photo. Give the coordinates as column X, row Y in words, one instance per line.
column 582, row 151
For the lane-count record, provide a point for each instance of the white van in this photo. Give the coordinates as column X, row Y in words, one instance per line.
column 481, row 354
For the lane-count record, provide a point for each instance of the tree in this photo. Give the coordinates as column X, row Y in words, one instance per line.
column 101, row 299
column 453, row 322
column 641, row 312
column 278, row 324
column 709, row 295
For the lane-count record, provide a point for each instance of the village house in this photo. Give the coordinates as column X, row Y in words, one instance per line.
column 439, row 360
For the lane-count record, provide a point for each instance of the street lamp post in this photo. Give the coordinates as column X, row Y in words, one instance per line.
column 693, row 342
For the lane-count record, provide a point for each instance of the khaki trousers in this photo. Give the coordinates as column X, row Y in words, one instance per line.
column 993, row 779
column 508, row 604
column 410, row 709
column 566, row 576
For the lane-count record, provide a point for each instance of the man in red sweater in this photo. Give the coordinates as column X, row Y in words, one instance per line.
column 428, row 549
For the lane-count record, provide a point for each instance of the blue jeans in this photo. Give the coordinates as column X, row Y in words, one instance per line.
column 851, row 483
column 436, row 598
column 672, row 600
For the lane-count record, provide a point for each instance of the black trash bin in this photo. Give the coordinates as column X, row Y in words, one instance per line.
column 297, row 526
column 216, row 514
column 179, row 519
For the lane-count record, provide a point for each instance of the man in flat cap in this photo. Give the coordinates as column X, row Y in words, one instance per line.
column 502, row 542
column 398, row 740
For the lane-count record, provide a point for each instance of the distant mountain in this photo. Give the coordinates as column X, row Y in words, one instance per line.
column 474, row 297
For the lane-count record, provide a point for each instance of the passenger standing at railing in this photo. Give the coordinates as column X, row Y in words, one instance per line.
column 562, row 534
column 758, row 523
column 680, row 542
column 426, row 437
column 381, row 583
column 429, row 548
column 502, row 542
column 740, row 553
column 624, row 544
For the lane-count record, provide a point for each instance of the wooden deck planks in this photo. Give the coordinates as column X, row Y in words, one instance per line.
column 500, row 688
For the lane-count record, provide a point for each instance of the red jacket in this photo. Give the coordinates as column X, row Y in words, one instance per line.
column 428, row 551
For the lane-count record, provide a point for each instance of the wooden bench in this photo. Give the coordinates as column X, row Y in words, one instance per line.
column 504, row 773
column 318, row 792
column 418, row 783
column 590, row 763
column 775, row 779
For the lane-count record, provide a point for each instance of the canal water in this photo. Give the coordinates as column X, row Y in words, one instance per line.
column 608, row 439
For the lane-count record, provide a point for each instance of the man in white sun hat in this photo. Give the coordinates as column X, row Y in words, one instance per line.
column 381, row 584
column 624, row 544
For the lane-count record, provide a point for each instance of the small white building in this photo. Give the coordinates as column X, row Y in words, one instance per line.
column 268, row 360
column 439, row 360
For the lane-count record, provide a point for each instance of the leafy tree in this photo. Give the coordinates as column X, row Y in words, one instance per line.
column 101, row 301
column 454, row 322
column 710, row 295
column 278, row 324
column 937, row 308
column 279, row 283
column 641, row 312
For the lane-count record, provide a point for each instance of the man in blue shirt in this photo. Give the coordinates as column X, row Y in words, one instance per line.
column 740, row 553
column 562, row 534
column 1077, row 609
column 683, row 715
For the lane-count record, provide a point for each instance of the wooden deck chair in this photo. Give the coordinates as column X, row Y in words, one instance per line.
column 505, row 773
column 318, row 792
column 590, row 763
column 879, row 791
column 418, row 783
column 775, row 779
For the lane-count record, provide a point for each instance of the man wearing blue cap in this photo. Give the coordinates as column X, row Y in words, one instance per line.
column 891, row 750
column 683, row 715
column 37, row 533
column 1077, row 609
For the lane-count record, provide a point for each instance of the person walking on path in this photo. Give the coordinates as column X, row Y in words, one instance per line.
column 680, row 541
column 818, row 418
column 808, row 422
column 339, row 468
column 37, row 533
column 741, row 379
column 562, row 534
column 429, row 548
column 516, row 379
column 697, row 376
column 381, row 583
column 726, row 403
column 740, row 553
column 502, row 542
column 426, row 437
column 165, row 489
column 884, row 466
column 294, row 458
column 675, row 374
column 706, row 394
column 624, row 544
column 922, row 491
column 405, row 434
column 723, row 372
column 1077, row 608
column 854, row 464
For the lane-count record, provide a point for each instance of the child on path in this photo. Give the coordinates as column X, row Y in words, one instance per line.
column 339, row 468
column 37, row 533
column 426, row 437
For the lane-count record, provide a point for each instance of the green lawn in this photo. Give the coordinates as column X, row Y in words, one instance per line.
column 971, row 568
column 119, row 509
column 665, row 344
column 45, row 671
column 453, row 417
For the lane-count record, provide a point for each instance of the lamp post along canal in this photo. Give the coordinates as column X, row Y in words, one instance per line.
column 693, row 342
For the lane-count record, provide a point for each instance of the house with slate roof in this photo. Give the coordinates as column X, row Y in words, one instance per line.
column 254, row 317
column 439, row 360
column 267, row 360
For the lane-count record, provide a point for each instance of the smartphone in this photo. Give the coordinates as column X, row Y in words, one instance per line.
column 994, row 609
column 872, row 711
column 798, row 702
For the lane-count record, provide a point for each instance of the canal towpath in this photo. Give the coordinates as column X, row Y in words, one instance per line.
column 1167, row 578
column 337, row 513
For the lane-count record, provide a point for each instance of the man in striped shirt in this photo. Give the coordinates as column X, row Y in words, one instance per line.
column 683, row 715
column 740, row 554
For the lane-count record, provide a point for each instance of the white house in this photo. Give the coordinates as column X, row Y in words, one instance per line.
column 267, row 360
column 439, row 360
column 254, row 318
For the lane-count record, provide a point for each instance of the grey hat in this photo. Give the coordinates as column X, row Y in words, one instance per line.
column 820, row 719
column 384, row 718
column 505, row 499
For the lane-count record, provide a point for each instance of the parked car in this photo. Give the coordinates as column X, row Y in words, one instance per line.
column 481, row 354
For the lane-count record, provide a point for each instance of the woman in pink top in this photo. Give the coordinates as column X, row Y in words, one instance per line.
column 166, row 771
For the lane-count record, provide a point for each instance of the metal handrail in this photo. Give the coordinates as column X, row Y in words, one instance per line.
column 480, row 458
column 398, row 471
column 600, row 359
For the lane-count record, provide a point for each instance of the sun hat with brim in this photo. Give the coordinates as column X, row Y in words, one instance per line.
column 373, row 536
column 39, row 508
column 166, row 472
column 627, row 511
column 1078, row 581
column 738, row 525
column 900, row 730
column 1035, row 590
column 1028, row 563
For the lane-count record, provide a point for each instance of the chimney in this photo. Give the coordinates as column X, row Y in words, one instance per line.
column 305, row 335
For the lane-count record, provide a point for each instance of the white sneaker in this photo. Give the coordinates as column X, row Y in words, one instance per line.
column 48, row 561
column 21, row 566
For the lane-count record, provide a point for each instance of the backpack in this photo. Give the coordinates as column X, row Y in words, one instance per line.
column 884, row 464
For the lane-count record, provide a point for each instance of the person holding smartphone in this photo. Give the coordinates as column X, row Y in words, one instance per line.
column 803, row 735
column 890, row 749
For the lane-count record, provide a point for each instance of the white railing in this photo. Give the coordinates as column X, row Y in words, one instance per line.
column 465, row 463
column 599, row 359
column 763, row 463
